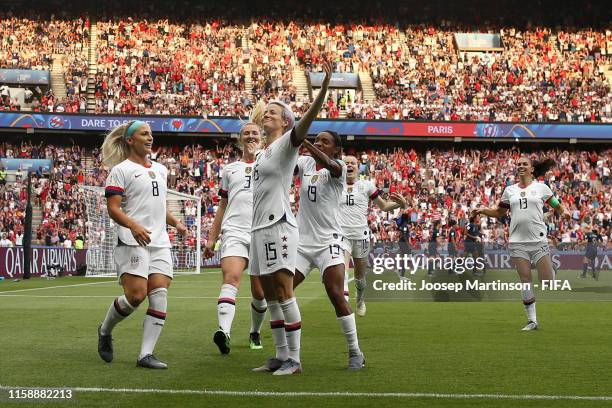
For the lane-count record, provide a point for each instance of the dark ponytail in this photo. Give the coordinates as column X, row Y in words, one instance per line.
column 541, row 167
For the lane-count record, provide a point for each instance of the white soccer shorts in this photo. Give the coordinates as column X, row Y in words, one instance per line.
column 358, row 248
column 320, row 256
column 233, row 244
column 273, row 248
column 143, row 261
column 531, row 251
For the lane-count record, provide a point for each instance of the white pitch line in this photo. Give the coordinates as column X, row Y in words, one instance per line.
column 298, row 394
column 58, row 287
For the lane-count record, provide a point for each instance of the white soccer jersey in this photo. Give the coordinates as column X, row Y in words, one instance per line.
column 272, row 177
column 144, row 193
column 237, row 188
column 353, row 212
column 526, row 206
column 319, row 197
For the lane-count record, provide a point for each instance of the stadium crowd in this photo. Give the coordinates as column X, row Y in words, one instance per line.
column 148, row 65
column 29, row 41
column 440, row 183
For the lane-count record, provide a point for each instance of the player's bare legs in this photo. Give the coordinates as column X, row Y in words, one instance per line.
column 134, row 292
column 360, row 267
column 136, row 289
column 333, row 280
column 231, row 268
column 258, row 313
column 545, row 268
column 285, row 321
column 523, row 267
column 157, row 291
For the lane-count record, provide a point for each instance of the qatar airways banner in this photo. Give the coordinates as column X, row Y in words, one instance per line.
column 166, row 124
column 69, row 260
column 41, row 260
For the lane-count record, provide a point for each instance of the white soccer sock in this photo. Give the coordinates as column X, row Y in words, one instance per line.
column 277, row 324
column 258, row 314
column 226, row 307
column 118, row 310
column 530, row 304
column 349, row 328
column 154, row 320
column 360, row 285
column 293, row 327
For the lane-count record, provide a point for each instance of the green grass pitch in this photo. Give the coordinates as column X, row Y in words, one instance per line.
column 49, row 339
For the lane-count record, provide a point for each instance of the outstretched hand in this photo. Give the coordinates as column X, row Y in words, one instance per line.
column 398, row 198
column 327, row 68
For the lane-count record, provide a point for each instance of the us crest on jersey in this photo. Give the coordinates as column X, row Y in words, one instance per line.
column 314, row 179
column 349, row 190
column 522, row 194
column 248, row 170
column 152, row 174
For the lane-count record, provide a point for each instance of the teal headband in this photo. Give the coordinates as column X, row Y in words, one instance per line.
column 132, row 128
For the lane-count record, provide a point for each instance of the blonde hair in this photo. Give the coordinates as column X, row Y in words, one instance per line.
column 115, row 149
column 255, row 118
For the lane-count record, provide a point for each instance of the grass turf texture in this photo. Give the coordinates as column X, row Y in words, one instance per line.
column 49, row 340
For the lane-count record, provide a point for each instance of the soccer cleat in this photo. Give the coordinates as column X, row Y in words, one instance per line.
column 255, row 341
column 105, row 346
column 290, row 366
column 531, row 325
column 270, row 366
column 150, row 361
column 222, row 340
column 361, row 309
column 356, row 361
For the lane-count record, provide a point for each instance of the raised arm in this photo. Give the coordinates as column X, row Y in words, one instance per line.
column 491, row 212
column 396, row 201
column 301, row 129
column 323, row 160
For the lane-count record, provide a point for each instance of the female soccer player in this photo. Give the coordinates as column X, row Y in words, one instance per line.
column 321, row 242
column 233, row 218
column 136, row 200
column 353, row 216
column 528, row 242
column 274, row 234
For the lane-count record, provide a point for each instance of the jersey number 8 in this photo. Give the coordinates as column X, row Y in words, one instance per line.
column 155, row 188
